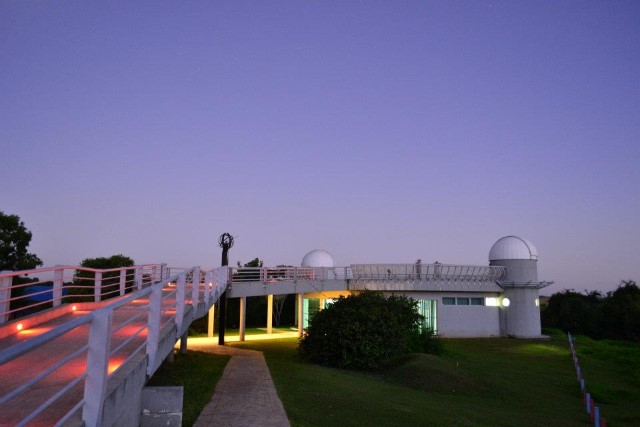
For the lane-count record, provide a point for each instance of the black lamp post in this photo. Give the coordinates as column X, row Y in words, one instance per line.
column 226, row 243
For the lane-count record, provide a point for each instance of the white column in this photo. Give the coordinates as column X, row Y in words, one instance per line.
column 5, row 295
column 243, row 317
column 57, row 286
column 212, row 315
column 95, row 385
column 270, row 314
column 300, row 308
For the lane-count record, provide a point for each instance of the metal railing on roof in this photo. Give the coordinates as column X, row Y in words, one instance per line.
column 427, row 272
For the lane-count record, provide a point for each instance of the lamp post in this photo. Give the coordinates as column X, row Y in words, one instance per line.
column 226, row 242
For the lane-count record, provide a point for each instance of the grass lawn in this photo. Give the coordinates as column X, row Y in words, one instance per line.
column 198, row 372
column 479, row 382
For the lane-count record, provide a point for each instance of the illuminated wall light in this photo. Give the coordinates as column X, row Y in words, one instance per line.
column 491, row 302
column 537, row 302
column 505, row 302
column 19, row 326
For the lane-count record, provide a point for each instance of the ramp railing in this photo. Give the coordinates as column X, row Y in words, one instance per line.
column 83, row 353
column 29, row 291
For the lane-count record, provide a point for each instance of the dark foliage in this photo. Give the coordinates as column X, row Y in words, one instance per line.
column 110, row 280
column 14, row 242
column 362, row 332
column 615, row 315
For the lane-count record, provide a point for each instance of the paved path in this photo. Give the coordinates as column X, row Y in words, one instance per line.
column 245, row 395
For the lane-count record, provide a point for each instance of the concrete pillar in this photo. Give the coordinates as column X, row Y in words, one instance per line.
column 212, row 315
column 243, row 317
column 183, row 343
column 270, row 314
column 320, row 304
column 300, row 298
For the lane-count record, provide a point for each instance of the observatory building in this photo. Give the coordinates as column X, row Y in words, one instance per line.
column 500, row 299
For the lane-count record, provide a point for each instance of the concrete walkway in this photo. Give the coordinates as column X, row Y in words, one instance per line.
column 245, row 395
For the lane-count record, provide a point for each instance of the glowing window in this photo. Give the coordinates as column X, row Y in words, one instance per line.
column 491, row 302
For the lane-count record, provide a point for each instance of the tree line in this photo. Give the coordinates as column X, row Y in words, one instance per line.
column 614, row 315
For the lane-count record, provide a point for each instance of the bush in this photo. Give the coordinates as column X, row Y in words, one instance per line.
column 362, row 331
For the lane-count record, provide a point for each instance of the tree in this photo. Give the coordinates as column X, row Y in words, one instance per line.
column 622, row 312
column 363, row 331
column 84, row 280
column 14, row 241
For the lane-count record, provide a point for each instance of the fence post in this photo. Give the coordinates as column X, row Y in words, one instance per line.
column 123, row 281
column 208, row 282
column 57, row 286
column 154, row 271
column 164, row 272
column 97, row 291
column 180, row 291
column 95, row 385
column 5, row 296
column 153, row 328
column 138, row 278
column 195, row 290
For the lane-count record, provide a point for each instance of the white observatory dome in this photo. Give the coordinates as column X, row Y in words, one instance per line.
column 513, row 247
column 317, row 258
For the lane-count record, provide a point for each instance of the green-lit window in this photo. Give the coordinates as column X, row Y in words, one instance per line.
column 477, row 301
column 427, row 308
column 463, row 301
column 448, row 301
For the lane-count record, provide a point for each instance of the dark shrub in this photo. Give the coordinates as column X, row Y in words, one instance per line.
column 362, row 331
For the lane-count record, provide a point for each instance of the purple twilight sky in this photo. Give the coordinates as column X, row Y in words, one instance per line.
column 379, row 131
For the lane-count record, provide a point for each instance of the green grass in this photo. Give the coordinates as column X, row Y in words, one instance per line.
column 611, row 370
column 478, row 382
column 198, row 373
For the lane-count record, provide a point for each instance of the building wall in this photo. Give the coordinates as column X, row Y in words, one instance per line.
column 463, row 320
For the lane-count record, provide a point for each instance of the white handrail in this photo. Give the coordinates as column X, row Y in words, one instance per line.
column 98, row 347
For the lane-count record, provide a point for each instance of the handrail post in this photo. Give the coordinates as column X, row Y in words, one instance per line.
column 195, row 290
column 153, row 327
column 180, row 293
column 123, row 281
column 138, row 278
column 164, row 272
column 5, row 296
column 154, row 271
column 97, row 289
column 208, row 283
column 95, row 385
column 57, row 286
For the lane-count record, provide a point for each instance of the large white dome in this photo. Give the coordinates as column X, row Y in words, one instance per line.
column 513, row 247
column 318, row 258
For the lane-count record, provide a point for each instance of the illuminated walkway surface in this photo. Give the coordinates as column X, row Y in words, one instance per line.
column 245, row 395
column 25, row 367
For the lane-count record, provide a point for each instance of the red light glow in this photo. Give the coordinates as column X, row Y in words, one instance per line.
column 19, row 326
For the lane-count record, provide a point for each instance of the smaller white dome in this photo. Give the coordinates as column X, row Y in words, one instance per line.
column 513, row 247
column 318, row 258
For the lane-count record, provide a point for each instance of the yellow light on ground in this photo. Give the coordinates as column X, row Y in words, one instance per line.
column 505, row 302
column 19, row 326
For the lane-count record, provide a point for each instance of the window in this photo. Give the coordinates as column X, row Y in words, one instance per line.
column 448, row 301
column 477, row 301
column 491, row 302
column 463, row 301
